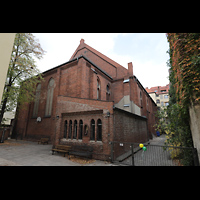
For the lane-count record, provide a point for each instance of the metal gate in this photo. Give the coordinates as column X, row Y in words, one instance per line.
column 125, row 153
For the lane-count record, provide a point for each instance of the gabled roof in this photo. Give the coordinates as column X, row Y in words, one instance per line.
column 157, row 89
column 76, row 59
column 96, row 66
column 84, row 45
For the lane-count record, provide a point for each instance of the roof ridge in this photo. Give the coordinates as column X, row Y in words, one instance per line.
column 98, row 53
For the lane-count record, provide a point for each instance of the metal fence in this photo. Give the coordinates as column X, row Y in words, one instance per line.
column 124, row 153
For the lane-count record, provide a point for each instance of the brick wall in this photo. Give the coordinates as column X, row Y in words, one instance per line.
column 111, row 67
column 129, row 127
column 69, row 108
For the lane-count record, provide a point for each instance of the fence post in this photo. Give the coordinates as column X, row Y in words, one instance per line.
column 195, row 156
column 132, row 154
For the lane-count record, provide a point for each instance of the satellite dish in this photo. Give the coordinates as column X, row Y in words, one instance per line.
column 39, row 119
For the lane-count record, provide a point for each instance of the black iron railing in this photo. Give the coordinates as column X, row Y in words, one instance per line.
column 125, row 153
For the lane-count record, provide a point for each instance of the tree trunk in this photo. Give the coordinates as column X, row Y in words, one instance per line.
column 3, row 109
column 7, row 92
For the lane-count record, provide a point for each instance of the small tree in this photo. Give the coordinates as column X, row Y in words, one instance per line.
column 162, row 119
column 22, row 67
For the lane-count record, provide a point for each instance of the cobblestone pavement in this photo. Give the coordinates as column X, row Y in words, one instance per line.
column 26, row 153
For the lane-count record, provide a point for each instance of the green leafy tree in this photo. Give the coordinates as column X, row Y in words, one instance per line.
column 21, row 67
column 161, row 124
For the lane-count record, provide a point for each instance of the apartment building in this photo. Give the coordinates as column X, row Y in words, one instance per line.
column 160, row 95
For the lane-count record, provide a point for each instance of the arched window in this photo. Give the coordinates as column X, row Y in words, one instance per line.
column 75, row 130
column 92, row 130
column 65, row 129
column 70, row 129
column 141, row 99
column 107, row 92
column 99, row 130
column 98, row 89
column 37, row 100
column 80, row 136
column 49, row 97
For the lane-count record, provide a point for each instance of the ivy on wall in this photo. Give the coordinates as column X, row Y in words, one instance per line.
column 184, row 68
column 185, row 63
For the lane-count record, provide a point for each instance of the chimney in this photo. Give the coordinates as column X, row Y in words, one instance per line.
column 82, row 41
column 130, row 69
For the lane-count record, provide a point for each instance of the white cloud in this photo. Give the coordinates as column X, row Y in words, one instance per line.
column 121, row 59
column 150, row 73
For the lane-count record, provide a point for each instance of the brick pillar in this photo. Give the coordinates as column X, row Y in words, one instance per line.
column 130, row 69
column 78, row 127
column 56, row 136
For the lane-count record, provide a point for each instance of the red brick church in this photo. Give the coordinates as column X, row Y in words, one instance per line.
column 90, row 100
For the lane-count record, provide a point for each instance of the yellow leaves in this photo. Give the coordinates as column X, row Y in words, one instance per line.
column 82, row 161
column 197, row 99
column 195, row 81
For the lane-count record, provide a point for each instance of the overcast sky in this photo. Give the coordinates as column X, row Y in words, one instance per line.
column 147, row 52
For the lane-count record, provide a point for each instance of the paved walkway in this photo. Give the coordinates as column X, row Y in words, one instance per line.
column 158, row 140
column 26, row 153
column 155, row 155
